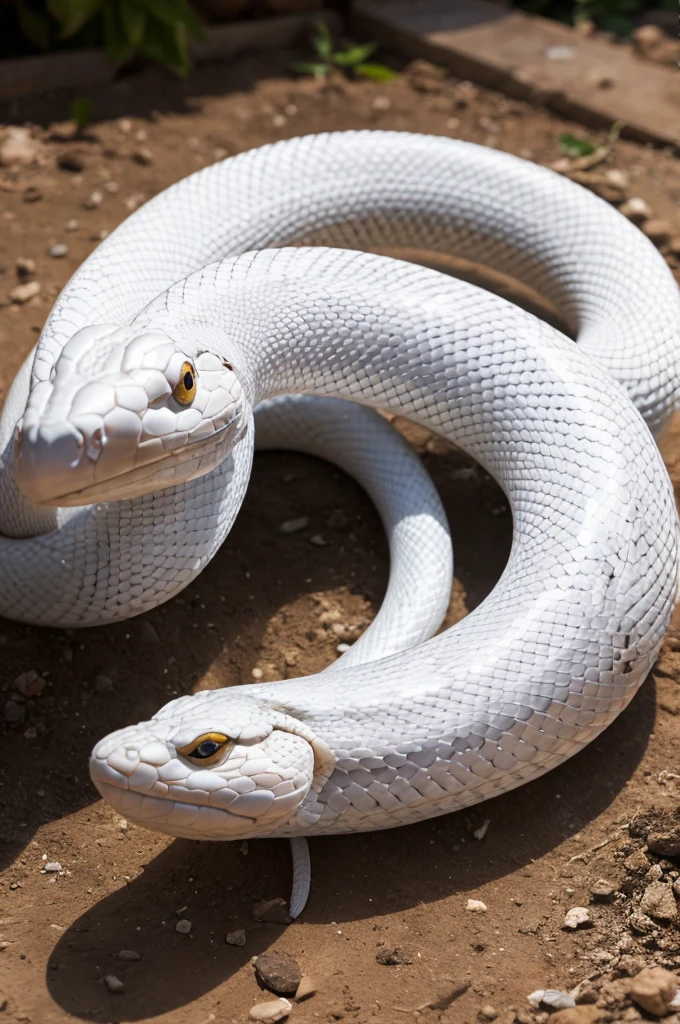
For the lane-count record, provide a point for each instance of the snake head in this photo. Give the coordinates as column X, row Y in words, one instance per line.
column 215, row 765
column 123, row 413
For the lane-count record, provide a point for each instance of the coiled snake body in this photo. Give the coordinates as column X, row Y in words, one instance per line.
column 574, row 624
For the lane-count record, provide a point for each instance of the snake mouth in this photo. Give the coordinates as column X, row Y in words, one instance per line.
column 44, row 486
column 175, row 817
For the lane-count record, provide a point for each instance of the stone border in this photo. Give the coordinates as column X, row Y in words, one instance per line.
column 528, row 57
column 83, row 69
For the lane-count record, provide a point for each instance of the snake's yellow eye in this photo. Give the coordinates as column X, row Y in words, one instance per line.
column 184, row 390
column 207, row 749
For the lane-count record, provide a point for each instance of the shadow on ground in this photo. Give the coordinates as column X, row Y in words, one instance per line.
column 354, row 877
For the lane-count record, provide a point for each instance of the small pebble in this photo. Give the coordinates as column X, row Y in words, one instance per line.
column 23, row 292
column 635, row 209
column 654, row 989
column 275, row 1010
column 128, row 954
column 30, row 684
column 476, row 906
column 658, row 902
column 381, row 103
column 488, row 1013
column 666, row 844
column 577, row 917
column 293, row 525
column 18, row 148
column 640, row 923
column 25, row 268
column 72, row 224
column 279, row 972
column 95, row 200
column 480, row 832
column 272, row 911
column 536, row 998
column 602, row 891
column 58, row 250
column 113, row 983
column 318, row 540
column 557, row 1000
column 183, row 926
column 257, row 673
column 306, row 989
column 112, row 187
column 142, row 156
column 237, row 938
column 278, row 120
column 52, row 867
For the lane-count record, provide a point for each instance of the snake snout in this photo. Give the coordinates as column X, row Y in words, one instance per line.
column 255, row 786
column 49, row 461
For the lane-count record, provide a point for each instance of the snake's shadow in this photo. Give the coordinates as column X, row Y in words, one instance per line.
column 354, row 877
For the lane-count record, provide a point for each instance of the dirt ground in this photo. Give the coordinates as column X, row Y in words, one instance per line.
column 258, row 606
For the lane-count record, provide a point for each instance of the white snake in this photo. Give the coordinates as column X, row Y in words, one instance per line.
column 574, row 624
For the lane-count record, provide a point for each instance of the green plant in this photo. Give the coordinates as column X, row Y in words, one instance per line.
column 615, row 16
column 575, row 146
column 157, row 29
column 353, row 59
column 80, row 111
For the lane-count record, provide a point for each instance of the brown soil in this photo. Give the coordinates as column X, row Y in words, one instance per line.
column 259, row 605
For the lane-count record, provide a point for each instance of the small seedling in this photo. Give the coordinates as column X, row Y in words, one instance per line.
column 354, row 58
column 80, row 111
column 575, row 146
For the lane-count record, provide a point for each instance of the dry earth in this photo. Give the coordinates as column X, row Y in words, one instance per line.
column 280, row 604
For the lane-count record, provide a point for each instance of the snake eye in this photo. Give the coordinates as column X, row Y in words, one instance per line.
column 207, row 748
column 184, row 390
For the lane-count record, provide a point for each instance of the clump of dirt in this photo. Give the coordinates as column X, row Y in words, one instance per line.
column 101, row 920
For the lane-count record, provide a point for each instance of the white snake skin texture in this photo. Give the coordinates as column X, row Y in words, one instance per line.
column 573, row 626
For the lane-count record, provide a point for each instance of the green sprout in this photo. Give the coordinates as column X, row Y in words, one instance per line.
column 354, row 58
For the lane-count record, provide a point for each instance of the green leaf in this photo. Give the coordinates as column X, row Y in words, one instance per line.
column 376, row 72
column 575, row 145
column 72, row 14
column 322, row 41
column 118, row 47
column 133, row 21
column 167, row 44
column 354, row 55
column 34, row 26
column 304, row 67
column 80, row 110
column 173, row 14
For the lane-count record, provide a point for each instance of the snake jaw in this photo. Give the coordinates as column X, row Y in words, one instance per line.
column 266, row 773
column 124, row 424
